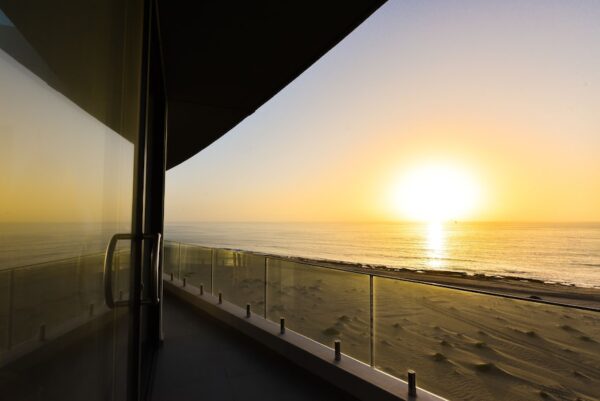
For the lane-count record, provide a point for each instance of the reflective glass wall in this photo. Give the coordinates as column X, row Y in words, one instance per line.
column 70, row 79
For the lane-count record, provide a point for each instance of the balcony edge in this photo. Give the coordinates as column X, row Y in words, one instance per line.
column 348, row 374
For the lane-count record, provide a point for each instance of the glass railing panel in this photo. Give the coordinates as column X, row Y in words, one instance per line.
column 4, row 308
column 171, row 258
column 323, row 304
column 89, row 287
column 43, row 299
column 466, row 345
column 239, row 276
column 195, row 266
column 49, row 295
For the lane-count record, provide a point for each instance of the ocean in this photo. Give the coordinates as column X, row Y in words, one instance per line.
column 552, row 252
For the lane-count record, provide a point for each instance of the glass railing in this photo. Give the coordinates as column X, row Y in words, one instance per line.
column 462, row 343
column 45, row 300
column 323, row 304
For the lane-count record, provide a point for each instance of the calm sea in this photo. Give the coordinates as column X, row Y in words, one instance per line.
column 563, row 253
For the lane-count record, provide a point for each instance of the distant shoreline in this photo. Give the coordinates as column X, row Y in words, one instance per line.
column 525, row 288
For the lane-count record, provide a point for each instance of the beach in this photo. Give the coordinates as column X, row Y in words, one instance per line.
column 469, row 346
column 507, row 285
column 463, row 345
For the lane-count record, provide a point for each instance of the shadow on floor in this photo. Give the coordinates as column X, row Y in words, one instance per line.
column 201, row 359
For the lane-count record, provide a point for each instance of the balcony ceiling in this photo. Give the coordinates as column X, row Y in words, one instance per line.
column 224, row 59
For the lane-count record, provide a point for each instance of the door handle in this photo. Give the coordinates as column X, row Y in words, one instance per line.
column 108, row 262
column 107, row 272
column 156, row 259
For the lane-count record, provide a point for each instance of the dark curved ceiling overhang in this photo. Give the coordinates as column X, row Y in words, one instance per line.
column 224, row 59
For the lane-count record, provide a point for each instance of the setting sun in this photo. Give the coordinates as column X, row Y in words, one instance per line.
column 436, row 193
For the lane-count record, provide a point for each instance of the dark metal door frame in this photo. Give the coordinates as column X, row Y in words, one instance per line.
column 148, row 219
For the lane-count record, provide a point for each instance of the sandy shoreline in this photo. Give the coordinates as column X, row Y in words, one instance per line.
column 514, row 286
column 464, row 345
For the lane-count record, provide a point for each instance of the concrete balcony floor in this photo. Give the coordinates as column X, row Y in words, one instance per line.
column 201, row 359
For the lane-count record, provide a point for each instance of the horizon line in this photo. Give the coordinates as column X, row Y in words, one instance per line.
column 384, row 221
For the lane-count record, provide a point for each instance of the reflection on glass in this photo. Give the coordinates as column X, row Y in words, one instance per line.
column 5, row 289
column 68, row 123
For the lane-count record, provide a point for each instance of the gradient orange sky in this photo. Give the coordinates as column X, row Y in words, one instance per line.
column 507, row 90
column 57, row 163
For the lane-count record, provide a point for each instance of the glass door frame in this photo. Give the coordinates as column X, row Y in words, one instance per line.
column 145, row 330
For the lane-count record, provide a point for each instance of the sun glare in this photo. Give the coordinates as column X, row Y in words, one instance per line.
column 436, row 193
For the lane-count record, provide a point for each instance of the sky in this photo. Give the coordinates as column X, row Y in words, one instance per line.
column 446, row 109
column 57, row 163
column 506, row 92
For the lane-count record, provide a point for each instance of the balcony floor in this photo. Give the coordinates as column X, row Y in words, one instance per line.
column 202, row 359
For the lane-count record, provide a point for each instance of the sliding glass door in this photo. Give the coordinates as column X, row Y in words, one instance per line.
column 70, row 84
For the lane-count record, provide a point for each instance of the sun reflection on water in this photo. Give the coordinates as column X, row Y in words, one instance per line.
column 435, row 245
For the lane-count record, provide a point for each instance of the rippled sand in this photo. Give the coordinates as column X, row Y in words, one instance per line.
column 463, row 345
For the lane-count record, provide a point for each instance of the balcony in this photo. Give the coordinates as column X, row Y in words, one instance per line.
column 202, row 358
column 459, row 341
column 224, row 337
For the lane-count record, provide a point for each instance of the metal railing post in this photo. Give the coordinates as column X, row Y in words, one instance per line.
column 371, row 319
column 337, row 346
column 412, row 383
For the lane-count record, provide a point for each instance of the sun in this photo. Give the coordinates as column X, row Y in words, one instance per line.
column 436, row 193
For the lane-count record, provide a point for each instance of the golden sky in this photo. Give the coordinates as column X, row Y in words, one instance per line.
column 505, row 94
column 57, row 163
